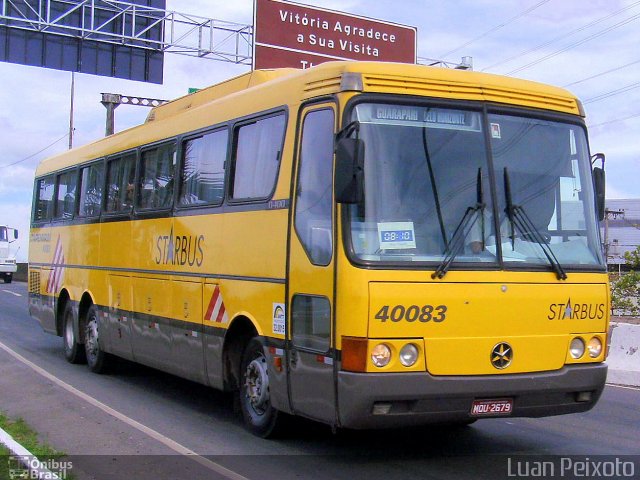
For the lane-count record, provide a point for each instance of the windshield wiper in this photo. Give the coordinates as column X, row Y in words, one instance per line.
column 456, row 244
column 519, row 218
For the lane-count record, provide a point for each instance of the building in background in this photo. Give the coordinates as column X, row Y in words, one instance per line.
column 620, row 230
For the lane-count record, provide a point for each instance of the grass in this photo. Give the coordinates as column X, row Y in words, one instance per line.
column 28, row 438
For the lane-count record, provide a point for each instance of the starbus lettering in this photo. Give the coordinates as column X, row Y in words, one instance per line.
column 179, row 250
column 576, row 311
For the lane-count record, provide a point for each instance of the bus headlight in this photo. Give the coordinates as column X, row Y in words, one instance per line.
column 381, row 355
column 595, row 347
column 577, row 348
column 409, row 355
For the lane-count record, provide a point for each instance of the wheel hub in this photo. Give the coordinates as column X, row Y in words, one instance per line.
column 257, row 384
column 68, row 333
column 92, row 337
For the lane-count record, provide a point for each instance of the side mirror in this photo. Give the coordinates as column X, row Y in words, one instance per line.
column 15, row 234
column 349, row 178
column 599, row 184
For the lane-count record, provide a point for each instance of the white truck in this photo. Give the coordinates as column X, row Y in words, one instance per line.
column 7, row 260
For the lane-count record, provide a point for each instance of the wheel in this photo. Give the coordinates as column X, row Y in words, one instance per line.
column 8, row 278
column 73, row 351
column 97, row 359
column 260, row 417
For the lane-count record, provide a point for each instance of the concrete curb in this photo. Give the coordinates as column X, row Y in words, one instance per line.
column 36, row 468
column 624, row 355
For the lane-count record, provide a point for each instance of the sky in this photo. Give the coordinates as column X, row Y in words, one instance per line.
column 589, row 47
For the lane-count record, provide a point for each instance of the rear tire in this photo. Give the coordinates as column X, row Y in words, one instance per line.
column 73, row 351
column 260, row 417
column 8, row 278
column 97, row 359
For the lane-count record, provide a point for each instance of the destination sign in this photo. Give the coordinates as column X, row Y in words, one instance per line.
column 419, row 116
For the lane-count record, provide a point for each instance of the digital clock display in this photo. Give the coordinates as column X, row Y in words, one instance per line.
column 396, row 235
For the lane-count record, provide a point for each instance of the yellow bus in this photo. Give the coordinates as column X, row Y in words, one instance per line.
column 363, row 244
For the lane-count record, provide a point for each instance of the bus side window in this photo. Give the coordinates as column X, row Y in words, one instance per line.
column 66, row 200
column 156, row 179
column 257, row 157
column 44, row 199
column 120, row 183
column 90, row 190
column 202, row 175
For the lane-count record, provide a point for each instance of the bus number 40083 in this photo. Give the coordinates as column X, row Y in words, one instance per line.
column 424, row 313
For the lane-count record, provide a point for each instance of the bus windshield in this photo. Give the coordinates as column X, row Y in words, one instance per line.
column 428, row 195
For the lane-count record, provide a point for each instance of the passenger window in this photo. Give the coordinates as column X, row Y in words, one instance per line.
column 311, row 322
column 44, row 199
column 257, row 157
column 91, row 190
column 156, row 178
column 66, row 200
column 315, row 185
column 202, row 176
column 121, row 173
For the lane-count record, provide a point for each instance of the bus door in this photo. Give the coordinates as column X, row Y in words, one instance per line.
column 310, row 356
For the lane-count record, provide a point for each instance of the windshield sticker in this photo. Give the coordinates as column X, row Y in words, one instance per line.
column 278, row 318
column 396, row 235
column 495, row 130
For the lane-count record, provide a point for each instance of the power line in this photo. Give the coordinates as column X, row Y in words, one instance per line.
column 617, row 91
column 561, row 37
column 34, row 154
column 614, row 120
column 569, row 47
column 601, row 74
column 497, row 27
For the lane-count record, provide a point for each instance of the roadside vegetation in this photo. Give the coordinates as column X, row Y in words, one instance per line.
column 625, row 287
column 28, row 438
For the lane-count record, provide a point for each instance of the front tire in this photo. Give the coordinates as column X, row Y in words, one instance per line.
column 73, row 351
column 8, row 277
column 97, row 359
column 260, row 417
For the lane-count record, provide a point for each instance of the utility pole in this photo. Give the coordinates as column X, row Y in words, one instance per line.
column 71, row 111
column 112, row 100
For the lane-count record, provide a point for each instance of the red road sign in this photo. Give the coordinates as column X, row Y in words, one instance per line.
column 291, row 35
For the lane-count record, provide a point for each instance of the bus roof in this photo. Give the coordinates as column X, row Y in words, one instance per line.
column 261, row 90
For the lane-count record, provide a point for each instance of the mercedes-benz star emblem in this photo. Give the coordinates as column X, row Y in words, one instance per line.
column 501, row 356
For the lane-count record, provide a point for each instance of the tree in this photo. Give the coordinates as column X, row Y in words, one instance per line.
column 625, row 289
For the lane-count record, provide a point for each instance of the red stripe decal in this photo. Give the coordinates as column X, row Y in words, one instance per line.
column 220, row 314
column 212, row 303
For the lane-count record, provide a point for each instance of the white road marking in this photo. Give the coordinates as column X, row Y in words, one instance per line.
column 13, row 293
column 626, row 387
column 173, row 445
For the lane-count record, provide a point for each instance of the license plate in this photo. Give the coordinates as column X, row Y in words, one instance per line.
column 503, row 406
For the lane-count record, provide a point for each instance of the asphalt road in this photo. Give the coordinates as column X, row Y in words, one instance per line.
column 178, row 429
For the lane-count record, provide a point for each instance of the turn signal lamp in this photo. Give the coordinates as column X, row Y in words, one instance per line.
column 354, row 354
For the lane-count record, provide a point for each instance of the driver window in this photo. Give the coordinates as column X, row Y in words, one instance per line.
column 314, row 205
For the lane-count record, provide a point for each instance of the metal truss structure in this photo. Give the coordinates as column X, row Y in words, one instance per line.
column 123, row 23
column 466, row 63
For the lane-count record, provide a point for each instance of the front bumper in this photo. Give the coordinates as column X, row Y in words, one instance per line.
column 8, row 268
column 420, row 398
